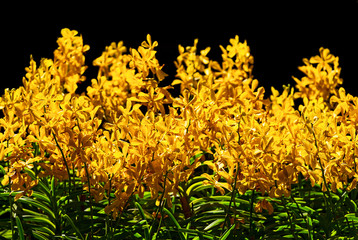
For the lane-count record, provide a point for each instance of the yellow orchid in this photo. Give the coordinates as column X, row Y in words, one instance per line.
column 126, row 134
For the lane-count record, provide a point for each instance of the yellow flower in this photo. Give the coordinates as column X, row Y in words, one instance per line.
column 320, row 80
column 69, row 59
column 190, row 66
column 119, row 137
column 144, row 60
column 324, row 60
column 264, row 204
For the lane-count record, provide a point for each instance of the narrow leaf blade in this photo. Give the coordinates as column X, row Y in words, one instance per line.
column 20, row 228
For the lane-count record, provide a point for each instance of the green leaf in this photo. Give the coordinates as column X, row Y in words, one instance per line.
column 40, row 196
column 69, row 220
column 227, row 232
column 351, row 217
column 6, row 194
column 5, row 210
column 199, row 234
column 282, row 227
column 220, row 199
column 20, row 228
column 44, row 231
column 42, row 220
column 2, row 170
column 40, row 236
column 198, row 187
column 146, row 229
column 137, row 235
column 307, row 209
column 310, row 227
column 40, row 183
column 35, row 203
column 174, row 221
column 53, row 188
column 289, row 236
column 214, row 224
column 6, row 234
column 353, row 206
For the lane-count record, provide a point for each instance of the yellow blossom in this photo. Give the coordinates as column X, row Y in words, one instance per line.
column 127, row 134
column 264, row 204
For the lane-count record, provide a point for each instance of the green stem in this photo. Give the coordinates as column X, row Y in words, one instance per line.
column 292, row 226
column 64, row 160
column 121, row 212
column 108, row 220
column 330, row 207
column 11, row 212
column 11, row 217
column 301, row 214
column 328, row 203
column 10, row 199
column 251, row 211
column 160, row 207
column 54, row 205
column 354, row 157
column 232, row 199
column 300, row 185
column 90, row 198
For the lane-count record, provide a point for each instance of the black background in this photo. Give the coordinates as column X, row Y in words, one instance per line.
column 279, row 34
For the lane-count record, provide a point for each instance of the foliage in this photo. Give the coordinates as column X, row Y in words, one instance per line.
column 127, row 160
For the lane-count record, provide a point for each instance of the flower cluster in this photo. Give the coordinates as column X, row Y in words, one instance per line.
column 126, row 134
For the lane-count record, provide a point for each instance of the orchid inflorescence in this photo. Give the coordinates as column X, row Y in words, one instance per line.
column 127, row 134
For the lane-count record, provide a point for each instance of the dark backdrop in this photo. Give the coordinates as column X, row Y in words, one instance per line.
column 279, row 34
